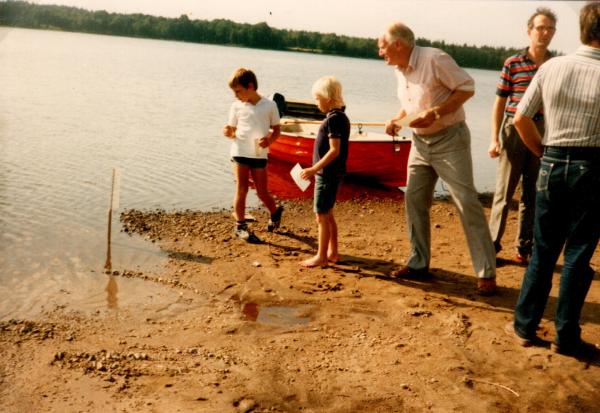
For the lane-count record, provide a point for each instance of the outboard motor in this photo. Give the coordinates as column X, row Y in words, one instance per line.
column 280, row 102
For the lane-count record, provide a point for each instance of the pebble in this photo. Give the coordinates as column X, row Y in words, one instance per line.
column 245, row 405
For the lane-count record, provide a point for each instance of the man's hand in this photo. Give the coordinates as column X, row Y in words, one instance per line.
column 229, row 131
column 425, row 119
column 391, row 128
column 494, row 149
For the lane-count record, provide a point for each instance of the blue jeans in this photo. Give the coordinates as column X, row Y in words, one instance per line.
column 567, row 215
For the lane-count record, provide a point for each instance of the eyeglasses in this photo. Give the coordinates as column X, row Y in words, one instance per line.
column 549, row 29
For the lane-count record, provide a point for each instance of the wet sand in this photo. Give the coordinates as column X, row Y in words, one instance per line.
column 253, row 331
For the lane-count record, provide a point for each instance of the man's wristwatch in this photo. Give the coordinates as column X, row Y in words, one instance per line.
column 436, row 114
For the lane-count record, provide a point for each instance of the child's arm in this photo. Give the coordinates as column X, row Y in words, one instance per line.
column 272, row 137
column 229, row 131
column 334, row 150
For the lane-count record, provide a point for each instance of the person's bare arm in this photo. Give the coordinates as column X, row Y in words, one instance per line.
column 391, row 128
column 452, row 104
column 333, row 152
column 272, row 137
column 529, row 134
column 497, row 116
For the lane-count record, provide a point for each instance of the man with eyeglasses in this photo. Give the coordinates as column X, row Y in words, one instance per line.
column 515, row 161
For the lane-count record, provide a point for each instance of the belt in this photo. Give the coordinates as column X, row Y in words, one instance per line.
column 574, row 153
column 441, row 132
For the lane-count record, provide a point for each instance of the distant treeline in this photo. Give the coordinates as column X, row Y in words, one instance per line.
column 223, row 32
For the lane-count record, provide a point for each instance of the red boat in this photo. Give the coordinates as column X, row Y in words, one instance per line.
column 374, row 156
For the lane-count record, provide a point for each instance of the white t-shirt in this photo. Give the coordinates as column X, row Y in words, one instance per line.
column 253, row 123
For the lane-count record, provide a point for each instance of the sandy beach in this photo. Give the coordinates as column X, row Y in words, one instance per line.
column 253, row 331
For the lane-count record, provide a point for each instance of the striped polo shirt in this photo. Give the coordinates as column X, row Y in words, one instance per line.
column 568, row 88
column 517, row 72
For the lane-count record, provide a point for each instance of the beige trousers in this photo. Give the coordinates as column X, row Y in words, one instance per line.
column 446, row 155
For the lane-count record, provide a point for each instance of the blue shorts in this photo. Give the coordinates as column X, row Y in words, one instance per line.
column 252, row 163
column 325, row 193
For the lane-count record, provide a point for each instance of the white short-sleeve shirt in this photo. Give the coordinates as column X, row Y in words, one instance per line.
column 253, row 123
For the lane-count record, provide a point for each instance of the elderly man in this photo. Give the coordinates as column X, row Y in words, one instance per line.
column 567, row 212
column 514, row 159
column 432, row 89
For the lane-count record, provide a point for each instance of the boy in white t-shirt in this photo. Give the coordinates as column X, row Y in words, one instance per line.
column 250, row 118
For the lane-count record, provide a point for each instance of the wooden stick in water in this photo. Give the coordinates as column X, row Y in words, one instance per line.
column 108, row 263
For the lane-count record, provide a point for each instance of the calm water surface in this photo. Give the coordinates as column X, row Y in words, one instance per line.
column 74, row 106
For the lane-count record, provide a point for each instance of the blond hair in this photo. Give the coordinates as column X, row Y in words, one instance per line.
column 329, row 88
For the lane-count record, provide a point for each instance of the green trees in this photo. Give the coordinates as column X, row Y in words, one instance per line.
column 220, row 31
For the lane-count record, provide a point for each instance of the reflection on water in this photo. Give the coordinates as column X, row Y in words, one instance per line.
column 111, row 293
column 75, row 106
column 279, row 316
column 283, row 186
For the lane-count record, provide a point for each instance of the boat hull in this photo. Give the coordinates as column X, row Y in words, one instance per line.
column 381, row 160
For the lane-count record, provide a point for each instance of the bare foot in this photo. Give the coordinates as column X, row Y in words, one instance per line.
column 315, row 261
column 333, row 259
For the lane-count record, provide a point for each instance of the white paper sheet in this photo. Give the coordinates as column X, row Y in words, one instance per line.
column 302, row 183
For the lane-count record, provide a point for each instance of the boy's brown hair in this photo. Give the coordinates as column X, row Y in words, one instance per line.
column 243, row 77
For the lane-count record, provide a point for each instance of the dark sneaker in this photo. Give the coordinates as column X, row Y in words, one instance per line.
column 275, row 219
column 253, row 239
column 243, row 233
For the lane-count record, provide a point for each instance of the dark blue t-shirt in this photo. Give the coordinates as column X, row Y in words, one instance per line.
column 336, row 126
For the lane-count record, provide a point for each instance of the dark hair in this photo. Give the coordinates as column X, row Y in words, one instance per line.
column 541, row 11
column 243, row 77
column 589, row 22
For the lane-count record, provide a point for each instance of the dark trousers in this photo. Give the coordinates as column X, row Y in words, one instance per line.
column 567, row 215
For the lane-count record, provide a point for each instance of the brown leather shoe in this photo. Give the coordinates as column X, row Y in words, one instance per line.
column 407, row 272
column 486, row 286
column 522, row 258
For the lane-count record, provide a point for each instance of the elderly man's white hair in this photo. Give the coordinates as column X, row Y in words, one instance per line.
column 399, row 31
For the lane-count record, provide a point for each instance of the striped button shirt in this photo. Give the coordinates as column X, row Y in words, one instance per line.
column 517, row 72
column 568, row 87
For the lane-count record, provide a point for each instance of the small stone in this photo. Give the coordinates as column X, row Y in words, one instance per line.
column 246, row 405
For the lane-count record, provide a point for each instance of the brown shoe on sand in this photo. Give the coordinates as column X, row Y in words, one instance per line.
column 407, row 272
column 486, row 286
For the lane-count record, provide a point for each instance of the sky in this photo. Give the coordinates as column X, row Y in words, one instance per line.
column 481, row 22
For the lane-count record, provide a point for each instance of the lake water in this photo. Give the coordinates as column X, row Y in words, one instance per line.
column 74, row 106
